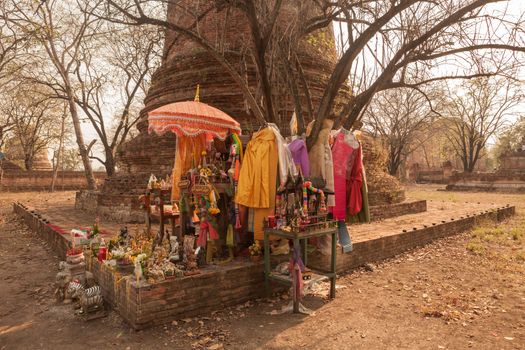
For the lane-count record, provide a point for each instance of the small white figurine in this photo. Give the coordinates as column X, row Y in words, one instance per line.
column 138, row 270
column 174, row 253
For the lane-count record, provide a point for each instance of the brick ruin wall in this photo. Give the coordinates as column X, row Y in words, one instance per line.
column 144, row 305
column 381, row 212
column 502, row 181
column 41, row 180
column 123, row 208
column 382, row 248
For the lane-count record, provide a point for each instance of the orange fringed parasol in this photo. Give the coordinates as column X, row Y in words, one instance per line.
column 190, row 119
column 194, row 123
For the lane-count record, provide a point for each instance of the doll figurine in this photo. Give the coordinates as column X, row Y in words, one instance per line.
column 174, row 253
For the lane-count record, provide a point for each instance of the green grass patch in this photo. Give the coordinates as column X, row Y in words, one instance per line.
column 517, row 233
column 476, row 247
column 505, row 239
column 490, row 234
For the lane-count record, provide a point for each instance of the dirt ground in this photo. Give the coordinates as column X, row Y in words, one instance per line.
column 463, row 292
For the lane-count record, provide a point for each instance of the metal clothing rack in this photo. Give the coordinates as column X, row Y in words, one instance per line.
column 297, row 237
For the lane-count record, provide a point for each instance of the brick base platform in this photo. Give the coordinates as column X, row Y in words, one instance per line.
column 381, row 212
column 143, row 305
column 126, row 208
column 408, row 237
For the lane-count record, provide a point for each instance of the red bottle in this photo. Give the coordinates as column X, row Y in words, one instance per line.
column 102, row 254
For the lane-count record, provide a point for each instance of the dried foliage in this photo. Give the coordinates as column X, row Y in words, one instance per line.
column 479, row 114
column 381, row 44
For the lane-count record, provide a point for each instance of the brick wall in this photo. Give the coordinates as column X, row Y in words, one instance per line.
column 41, row 180
column 145, row 305
column 514, row 162
column 500, row 181
column 431, row 176
column 381, row 212
column 112, row 206
column 378, row 197
column 39, row 224
column 388, row 246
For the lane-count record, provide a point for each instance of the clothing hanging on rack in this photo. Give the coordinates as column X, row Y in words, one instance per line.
column 286, row 164
column 258, row 178
column 344, row 152
column 321, row 163
column 354, row 183
column 187, row 155
column 300, row 155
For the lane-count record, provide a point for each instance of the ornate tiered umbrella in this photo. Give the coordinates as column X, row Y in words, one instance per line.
column 193, row 122
column 190, row 119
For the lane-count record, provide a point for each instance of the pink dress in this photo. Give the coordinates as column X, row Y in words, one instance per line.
column 341, row 152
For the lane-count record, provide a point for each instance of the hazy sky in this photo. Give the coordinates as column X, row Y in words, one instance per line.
column 515, row 8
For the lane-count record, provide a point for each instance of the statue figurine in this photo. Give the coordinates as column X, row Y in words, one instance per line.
column 123, row 235
column 201, row 256
column 91, row 300
column 62, row 280
column 174, row 253
column 191, row 264
column 189, row 259
column 151, row 182
column 138, row 270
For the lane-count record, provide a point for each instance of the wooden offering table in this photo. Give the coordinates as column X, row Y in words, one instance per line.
column 160, row 199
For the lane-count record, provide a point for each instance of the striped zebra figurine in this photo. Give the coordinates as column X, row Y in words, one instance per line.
column 74, row 290
column 91, row 300
column 91, row 304
column 91, row 292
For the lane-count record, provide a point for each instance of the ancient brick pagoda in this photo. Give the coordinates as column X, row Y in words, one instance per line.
column 15, row 154
column 185, row 65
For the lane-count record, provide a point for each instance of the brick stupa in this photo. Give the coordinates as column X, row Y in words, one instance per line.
column 184, row 65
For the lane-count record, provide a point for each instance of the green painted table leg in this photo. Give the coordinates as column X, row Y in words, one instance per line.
column 333, row 265
column 267, row 263
column 296, row 243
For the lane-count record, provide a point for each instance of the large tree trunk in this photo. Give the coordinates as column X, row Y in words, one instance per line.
column 28, row 162
column 393, row 167
column 59, row 153
column 394, row 162
column 110, row 163
column 88, row 171
column 464, row 160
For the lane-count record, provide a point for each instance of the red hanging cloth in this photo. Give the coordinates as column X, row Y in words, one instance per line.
column 354, row 182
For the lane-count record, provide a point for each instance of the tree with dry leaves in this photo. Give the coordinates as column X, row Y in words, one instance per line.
column 381, row 42
column 33, row 117
column 60, row 28
column 12, row 44
column 113, row 72
column 396, row 117
column 101, row 69
column 511, row 140
column 477, row 112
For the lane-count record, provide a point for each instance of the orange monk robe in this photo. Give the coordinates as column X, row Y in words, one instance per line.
column 188, row 153
column 258, row 178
